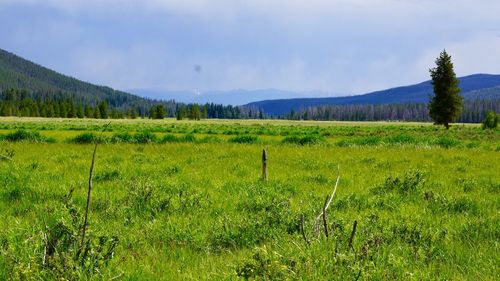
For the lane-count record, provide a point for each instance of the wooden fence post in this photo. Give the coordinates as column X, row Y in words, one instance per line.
column 264, row 165
column 351, row 239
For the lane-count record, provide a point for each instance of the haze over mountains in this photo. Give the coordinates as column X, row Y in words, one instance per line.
column 233, row 97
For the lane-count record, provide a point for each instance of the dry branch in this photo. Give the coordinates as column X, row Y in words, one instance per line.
column 87, row 208
column 318, row 218
column 46, row 245
column 5, row 157
column 325, row 220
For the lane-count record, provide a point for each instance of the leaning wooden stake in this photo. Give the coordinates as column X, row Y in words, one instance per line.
column 264, row 165
column 87, row 208
column 325, row 220
column 351, row 239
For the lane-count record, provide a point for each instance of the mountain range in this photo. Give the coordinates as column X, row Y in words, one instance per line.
column 477, row 86
column 230, row 97
column 16, row 72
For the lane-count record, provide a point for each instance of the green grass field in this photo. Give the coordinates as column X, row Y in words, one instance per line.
column 183, row 200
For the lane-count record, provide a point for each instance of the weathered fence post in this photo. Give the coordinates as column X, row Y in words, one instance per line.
column 264, row 165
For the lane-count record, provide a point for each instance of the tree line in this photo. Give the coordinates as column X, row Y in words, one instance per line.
column 21, row 102
column 474, row 111
column 14, row 102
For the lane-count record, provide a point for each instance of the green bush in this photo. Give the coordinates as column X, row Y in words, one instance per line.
column 445, row 142
column 169, row 138
column 188, row 138
column 86, row 138
column 400, row 139
column 23, row 135
column 412, row 181
column 303, row 139
column 491, row 120
column 244, row 139
column 363, row 141
column 122, row 137
column 265, row 265
column 145, row 137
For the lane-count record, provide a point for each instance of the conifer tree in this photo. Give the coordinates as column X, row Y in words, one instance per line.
column 181, row 112
column 446, row 104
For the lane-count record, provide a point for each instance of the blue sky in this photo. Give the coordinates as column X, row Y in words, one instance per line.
column 340, row 47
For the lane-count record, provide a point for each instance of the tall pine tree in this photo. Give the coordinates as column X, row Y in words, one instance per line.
column 446, row 104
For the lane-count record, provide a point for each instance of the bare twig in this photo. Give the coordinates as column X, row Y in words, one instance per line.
column 302, row 229
column 87, row 208
column 5, row 157
column 46, row 245
column 351, row 239
column 318, row 218
column 264, row 165
column 325, row 220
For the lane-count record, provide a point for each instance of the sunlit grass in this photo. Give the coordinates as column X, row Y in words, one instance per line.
column 198, row 209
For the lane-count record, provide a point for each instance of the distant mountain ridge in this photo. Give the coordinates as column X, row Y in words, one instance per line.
column 485, row 86
column 233, row 97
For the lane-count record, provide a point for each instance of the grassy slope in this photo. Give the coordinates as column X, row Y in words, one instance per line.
column 225, row 217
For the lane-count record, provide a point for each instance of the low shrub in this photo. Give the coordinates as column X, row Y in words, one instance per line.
column 23, row 135
column 265, row 265
column 303, row 139
column 412, row 181
column 122, row 137
column 244, row 139
column 169, row 138
column 87, row 138
column 145, row 137
column 364, row 141
column 400, row 139
column 445, row 142
column 188, row 138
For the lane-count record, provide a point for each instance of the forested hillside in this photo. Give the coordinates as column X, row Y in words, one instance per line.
column 28, row 89
column 18, row 73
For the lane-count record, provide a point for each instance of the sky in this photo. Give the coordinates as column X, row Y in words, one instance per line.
column 336, row 46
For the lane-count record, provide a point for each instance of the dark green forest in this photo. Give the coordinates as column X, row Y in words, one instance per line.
column 473, row 111
column 68, row 105
column 29, row 89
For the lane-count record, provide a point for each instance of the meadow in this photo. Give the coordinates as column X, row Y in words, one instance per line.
column 184, row 200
